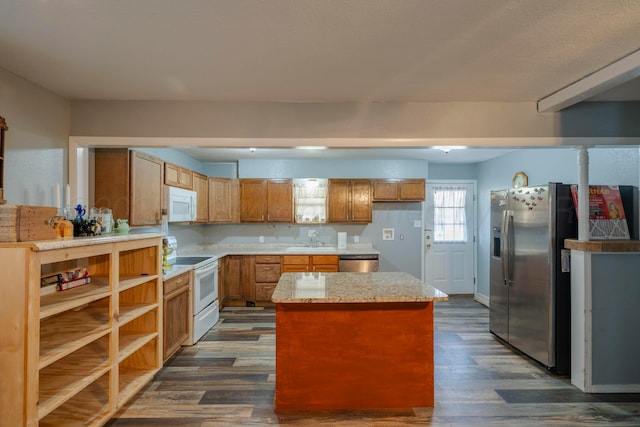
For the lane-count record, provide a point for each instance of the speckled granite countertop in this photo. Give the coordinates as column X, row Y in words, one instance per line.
column 354, row 288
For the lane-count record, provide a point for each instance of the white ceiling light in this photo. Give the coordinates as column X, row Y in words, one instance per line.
column 311, row 147
column 446, row 149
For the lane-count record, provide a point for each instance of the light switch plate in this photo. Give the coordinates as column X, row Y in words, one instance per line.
column 417, row 223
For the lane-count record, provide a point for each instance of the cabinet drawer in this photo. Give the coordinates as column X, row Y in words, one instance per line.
column 267, row 272
column 295, row 259
column 325, row 259
column 267, row 259
column 176, row 282
column 264, row 291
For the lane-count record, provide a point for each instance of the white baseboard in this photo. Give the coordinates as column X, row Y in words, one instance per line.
column 613, row 388
column 482, row 299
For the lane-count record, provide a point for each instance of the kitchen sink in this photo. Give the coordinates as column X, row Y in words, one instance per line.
column 311, row 249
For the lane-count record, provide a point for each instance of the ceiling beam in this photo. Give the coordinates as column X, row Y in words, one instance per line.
column 617, row 73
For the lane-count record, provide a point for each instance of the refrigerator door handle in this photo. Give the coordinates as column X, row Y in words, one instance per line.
column 506, row 249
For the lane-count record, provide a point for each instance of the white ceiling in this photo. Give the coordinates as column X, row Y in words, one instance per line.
column 316, row 50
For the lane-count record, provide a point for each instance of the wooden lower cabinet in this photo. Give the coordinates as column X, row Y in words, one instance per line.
column 176, row 313
column 310, row 263
column 232, row 280
column 325, row 263
column 75, row 357
column 253, row 278
column 295, row 264
column 267, row 274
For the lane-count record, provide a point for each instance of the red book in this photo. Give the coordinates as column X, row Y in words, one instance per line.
column 73, row 283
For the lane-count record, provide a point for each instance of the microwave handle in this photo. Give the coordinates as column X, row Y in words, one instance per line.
column 193, row 209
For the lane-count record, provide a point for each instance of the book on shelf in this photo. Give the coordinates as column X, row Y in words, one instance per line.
column 63, row 286
column 64, row 276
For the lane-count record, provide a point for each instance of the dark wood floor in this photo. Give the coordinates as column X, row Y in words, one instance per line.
column 227, row 379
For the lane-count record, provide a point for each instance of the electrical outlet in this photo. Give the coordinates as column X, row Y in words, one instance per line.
column 261, row 239
column 356, row 239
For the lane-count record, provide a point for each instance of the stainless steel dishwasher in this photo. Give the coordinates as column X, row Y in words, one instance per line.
column 362, row 263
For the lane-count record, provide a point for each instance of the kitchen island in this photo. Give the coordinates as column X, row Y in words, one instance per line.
column 354, row 341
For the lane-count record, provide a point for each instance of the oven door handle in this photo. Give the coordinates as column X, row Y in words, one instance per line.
column 206, row 268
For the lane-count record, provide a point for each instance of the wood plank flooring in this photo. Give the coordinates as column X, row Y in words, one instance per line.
column 227, row 379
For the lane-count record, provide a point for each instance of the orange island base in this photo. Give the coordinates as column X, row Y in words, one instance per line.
column 354, row 341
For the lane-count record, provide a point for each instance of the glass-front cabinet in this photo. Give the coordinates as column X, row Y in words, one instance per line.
column 310, row 196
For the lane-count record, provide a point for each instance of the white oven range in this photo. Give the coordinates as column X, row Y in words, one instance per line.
column 204, row 293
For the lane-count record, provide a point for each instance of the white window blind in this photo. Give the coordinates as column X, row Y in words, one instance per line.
column 449, row 216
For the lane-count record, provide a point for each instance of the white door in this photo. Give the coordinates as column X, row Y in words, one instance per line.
column 449, row 237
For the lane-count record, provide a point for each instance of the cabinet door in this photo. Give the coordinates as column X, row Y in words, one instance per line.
column 253, row 200
column 361, row 208
column 248, row 277
column 385, row 190
column 412, row 189
column 325, row 263
column 146, row 189
column 279, row 201
column 201, row 187
column 232, row 281
column 111, row 170
column 178, row 176
column 176, row 320
column 220, row 192
column 338, row 200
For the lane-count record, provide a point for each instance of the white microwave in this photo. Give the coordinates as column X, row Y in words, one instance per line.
column 182, row 203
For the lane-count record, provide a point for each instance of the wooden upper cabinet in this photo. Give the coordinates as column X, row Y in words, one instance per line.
column 266, row 200
column 177, row 176
column 224, row 200
column 391, row 190
column 201, row 187
column 338, row 200
column 130, row 183
column 412, row 189
column 146, row 189
column 361, row 208
column 279, row 200
column 350, row 200
column 253, row 200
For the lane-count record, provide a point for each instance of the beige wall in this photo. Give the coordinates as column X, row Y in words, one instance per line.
column 36, row 143
column 310, row 120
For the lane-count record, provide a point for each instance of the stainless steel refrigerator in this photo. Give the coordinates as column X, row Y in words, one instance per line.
column 529, row 291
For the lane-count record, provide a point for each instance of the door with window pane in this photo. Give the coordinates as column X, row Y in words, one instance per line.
column 449, row 237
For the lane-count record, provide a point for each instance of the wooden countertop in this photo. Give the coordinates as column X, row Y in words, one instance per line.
column 47, row 245
column 603, row 245
column 354, row 288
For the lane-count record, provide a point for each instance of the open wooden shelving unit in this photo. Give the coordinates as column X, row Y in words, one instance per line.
column 77, row 356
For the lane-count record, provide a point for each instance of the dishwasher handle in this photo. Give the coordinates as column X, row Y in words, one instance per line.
column 359, row 257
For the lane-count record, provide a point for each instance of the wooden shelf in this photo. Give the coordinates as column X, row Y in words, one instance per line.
column 137, row 369
column 64, row 351
column 130, row 342
column 90, row 407
column 59, row 302
column 64, row 379
column 130, row 311
column 128, row 282
column 78, row 329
